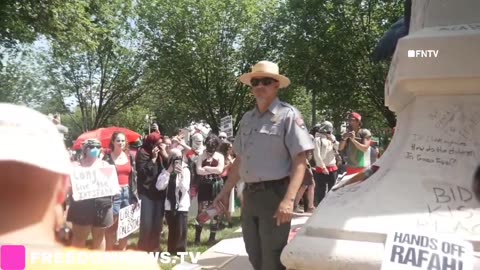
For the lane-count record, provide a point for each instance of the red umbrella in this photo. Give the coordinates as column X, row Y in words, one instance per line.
column 104, row 135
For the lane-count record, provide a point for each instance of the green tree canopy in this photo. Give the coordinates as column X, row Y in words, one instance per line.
column 199, row 48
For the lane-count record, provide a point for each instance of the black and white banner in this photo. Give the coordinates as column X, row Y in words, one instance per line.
column 407, row 250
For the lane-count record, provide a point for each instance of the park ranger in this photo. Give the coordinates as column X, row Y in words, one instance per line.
column 271, row 146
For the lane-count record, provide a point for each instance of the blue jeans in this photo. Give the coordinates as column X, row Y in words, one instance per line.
column 122, row 200
column 151, row 223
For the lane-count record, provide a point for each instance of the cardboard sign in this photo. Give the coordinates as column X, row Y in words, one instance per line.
column 89, row 183
column 226, row 125
column 186, row 136
column 128, row 220
column 406, row 250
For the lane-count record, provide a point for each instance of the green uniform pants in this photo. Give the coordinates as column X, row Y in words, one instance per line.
column 264, row 240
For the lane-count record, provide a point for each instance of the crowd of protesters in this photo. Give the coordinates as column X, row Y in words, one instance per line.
column 167, row 173
column 353, row 153
column 163, row 173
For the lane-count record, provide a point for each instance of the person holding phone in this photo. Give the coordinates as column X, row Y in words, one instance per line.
column 325, row 155
column 149, row 165
column 175, row 179
column 356, row 143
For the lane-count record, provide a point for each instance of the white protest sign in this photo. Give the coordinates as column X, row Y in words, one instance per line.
column 407, row 250
column 186, row 135
column 128, row 220
column 89, row 183
column 226, row 125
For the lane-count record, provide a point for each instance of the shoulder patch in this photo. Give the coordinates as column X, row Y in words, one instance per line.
column 299, row 121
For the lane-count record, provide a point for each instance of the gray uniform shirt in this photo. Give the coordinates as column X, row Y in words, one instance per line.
column 268, row 143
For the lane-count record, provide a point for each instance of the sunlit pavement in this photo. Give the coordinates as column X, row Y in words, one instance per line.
column 230, row 254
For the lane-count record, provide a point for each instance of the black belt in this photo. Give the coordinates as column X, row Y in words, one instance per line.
column 259, row 186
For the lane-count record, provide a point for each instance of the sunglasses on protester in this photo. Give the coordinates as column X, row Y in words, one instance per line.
column 93, row 146
column 265, row 81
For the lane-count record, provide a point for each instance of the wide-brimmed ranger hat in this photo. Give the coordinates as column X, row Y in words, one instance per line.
column 265, row 69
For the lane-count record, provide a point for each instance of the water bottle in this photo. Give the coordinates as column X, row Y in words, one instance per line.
column 208, row 214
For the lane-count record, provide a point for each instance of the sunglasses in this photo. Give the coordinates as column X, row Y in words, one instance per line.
column 264, row 81
column 93, row 146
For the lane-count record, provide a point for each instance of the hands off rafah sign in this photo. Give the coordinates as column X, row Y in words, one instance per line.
column 406, row 250
column 89, row 183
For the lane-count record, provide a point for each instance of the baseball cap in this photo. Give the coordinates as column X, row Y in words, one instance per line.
column 356, row 116
column 326, row 127
column 20, row 128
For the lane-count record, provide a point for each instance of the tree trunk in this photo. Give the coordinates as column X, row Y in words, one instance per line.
column 314, row 106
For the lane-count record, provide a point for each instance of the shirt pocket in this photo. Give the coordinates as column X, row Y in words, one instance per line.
column 246, row 131
column 271, row 130
column 245, row 136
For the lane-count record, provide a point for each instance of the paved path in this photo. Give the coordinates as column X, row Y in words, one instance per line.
column 230, row 254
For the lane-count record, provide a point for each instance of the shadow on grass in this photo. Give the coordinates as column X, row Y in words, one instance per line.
column 191, row 246
column 225, row 233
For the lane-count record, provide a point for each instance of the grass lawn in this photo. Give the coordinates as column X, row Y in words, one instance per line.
column 191, row 247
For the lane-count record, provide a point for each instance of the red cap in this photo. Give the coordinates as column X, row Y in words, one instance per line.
column 356, row 116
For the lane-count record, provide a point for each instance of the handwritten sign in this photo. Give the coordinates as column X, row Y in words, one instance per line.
column 89, row 183
column 226, row 125
column 186, row 135
column 405, row 250
column 128, row 220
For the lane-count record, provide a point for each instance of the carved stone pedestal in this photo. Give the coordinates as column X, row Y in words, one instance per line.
column 425, row 176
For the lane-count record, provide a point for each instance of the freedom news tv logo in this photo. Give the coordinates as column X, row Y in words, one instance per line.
column 12, row 257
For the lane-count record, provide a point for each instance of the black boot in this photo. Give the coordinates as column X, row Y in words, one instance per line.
column 211, row 239
column 198, row 233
